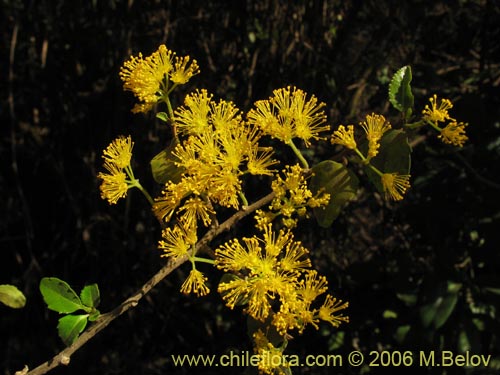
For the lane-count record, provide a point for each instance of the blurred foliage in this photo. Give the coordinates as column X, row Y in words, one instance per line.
column 419, row 275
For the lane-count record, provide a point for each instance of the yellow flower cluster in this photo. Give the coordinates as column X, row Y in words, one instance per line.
column 374, row 126
column 292, row 197
column 220, row 148
column 152, row 78
column 454, row 132
column 288, row 114
column 275, row 272
column 117, row 158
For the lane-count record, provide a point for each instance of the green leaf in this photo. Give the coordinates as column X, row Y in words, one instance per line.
column 400, row 94
column 333, row 178
column 90, row 295
column 389, row 314
column 11, row 296
column 436, row 313
column 407, row 298
column 163, row 166
column 336, row 340
column 70, row 326
column 59, row 296
column 394, row 157
column 401, row 333
column 162, row 116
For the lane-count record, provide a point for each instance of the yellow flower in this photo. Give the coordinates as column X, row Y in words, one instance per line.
column 395, row 185
column 292, row 196
column 117, row 158
column 437, row 113
column 119, row 152
column 146, row 78
column 344, row 137
column 194, row 208
column 192, row 117
column 308, row 116
column 454, row 134
column 149, row 78
column 287, row 115
column 114, row 185
column 259, row 161
column 329, row 308
column 182, row 72
column 266, row 277
column 375, row 126
column 195, row 283
column 177, row 241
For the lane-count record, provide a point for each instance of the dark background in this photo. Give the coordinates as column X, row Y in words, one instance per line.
column 62, row 103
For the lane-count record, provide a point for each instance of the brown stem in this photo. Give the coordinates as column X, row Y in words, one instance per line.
column 63, row 358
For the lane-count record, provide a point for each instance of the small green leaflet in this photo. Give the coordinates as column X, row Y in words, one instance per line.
column 59, row 296
column 400, row 94
column 70, row 326
column 12, row 297
column 90, row 295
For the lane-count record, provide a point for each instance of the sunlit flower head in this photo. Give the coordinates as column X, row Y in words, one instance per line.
column 114, row 184
column 454, row 134
column 193, row 116
column 177, row 241
column 149, row 78
column 117, row 158
column 344, row 137
column 146, row 77
column 183, row 71
column 288, row 114
column 328, row 311
column 437, row 112
column 195, row 283
column 375, row 126
column 395, row 185
column 119, row 152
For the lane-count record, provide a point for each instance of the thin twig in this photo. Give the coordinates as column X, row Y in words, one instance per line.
column 63, row 358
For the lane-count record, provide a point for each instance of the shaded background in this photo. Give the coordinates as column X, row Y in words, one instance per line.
column 62, row 103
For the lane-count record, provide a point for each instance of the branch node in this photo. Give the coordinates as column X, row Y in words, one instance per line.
column 65, row 359
column 24, row 371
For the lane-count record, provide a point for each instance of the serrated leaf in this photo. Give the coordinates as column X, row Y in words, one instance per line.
column 338, row 181
column 70, row 327
column 90, row 295
column 11, row 296
column 400, row 94
column 163, row 166
column 394, row 157
column 59, row 296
